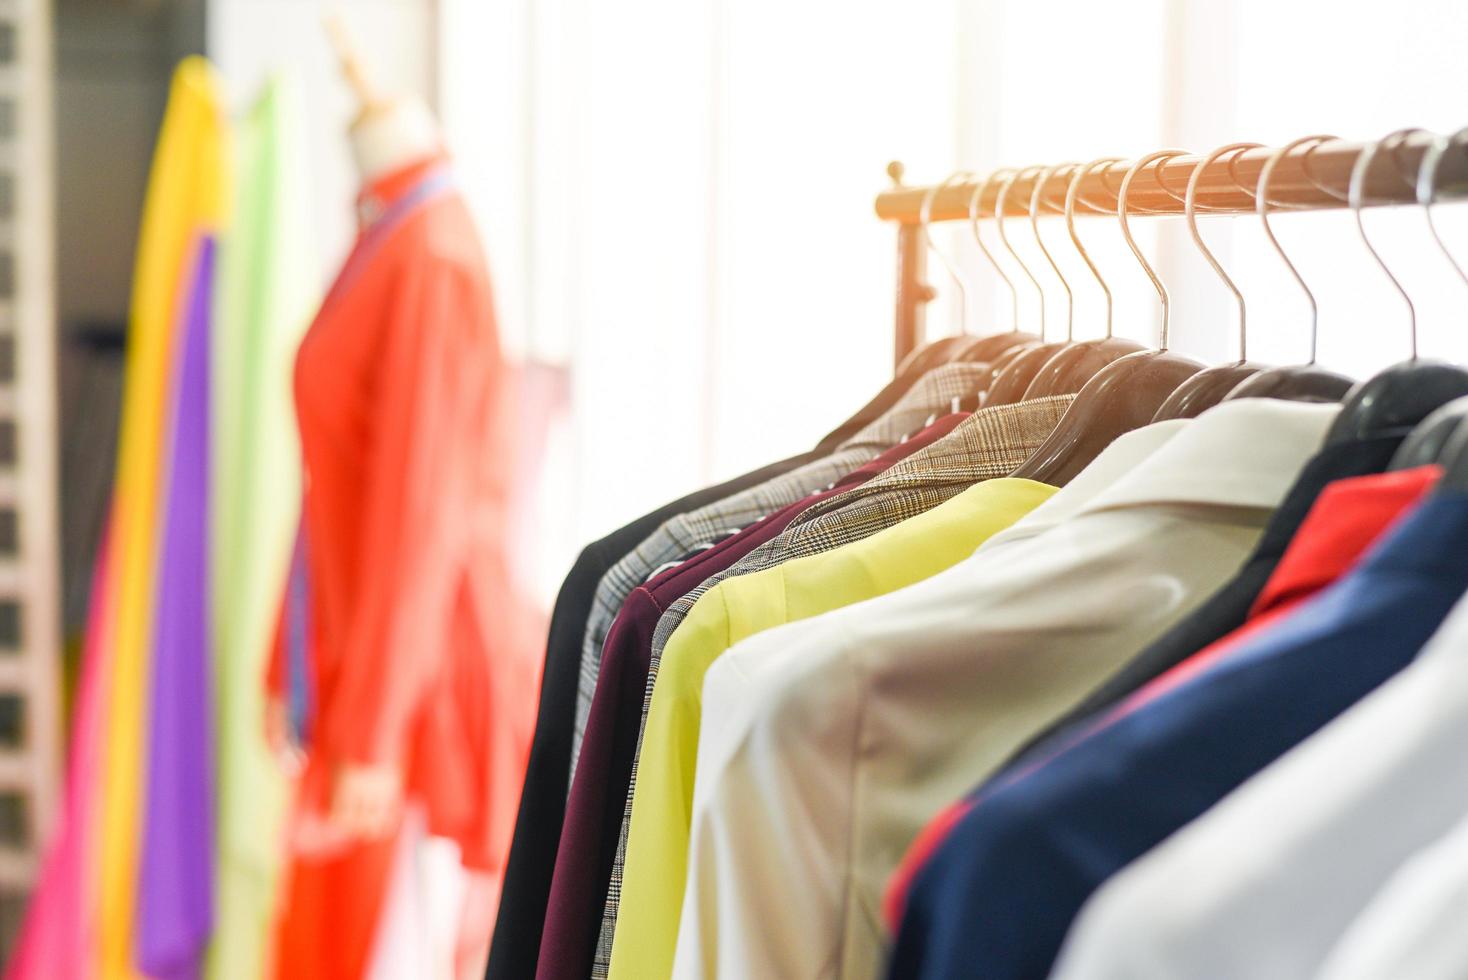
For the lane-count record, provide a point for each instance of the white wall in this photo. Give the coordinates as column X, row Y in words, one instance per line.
column 1151, row 74
column 676, row 194
column 677, row 198
column 251, row 39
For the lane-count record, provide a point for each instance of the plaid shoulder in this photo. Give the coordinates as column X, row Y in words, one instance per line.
column 935, row 393
column 992, row 442
column 681, row 536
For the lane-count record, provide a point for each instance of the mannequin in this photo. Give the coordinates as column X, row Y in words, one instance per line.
column 388, row 133
column 385, row 135
column 404, row 651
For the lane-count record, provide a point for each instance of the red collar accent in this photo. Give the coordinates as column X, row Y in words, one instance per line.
column 1348, row 516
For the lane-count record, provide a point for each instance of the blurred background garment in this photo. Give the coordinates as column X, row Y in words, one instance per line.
column 421, row 649
column 266, row 298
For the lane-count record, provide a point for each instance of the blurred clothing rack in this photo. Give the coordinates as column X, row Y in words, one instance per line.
column 1312, row 179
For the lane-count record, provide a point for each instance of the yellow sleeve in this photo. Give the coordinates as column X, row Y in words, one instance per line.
column 906, row 553
column 662, row 803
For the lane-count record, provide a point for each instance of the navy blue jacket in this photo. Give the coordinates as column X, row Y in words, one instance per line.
column 997, row 897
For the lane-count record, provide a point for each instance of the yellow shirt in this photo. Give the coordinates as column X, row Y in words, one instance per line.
column 657, row 844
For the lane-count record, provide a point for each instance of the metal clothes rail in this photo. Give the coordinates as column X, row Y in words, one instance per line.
column 1314, row 178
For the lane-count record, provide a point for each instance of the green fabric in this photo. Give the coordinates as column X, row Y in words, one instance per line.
column 268, row 292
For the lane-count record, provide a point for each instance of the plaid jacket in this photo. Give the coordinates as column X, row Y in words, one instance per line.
column 934, row 393
column 990, row 443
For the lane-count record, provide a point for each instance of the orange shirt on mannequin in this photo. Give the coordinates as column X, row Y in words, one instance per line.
column 421, row 653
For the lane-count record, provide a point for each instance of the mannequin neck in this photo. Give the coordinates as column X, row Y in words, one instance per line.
column 387, row 138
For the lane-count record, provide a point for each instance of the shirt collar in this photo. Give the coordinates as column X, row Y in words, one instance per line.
column 1125, row 454
column 1346, row 519
column 379, row 195
column 1244, row 453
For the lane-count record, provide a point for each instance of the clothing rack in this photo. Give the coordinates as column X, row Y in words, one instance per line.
column 1313, row 178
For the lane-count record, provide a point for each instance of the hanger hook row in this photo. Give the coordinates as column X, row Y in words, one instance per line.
column 1360, row 175
column 1110, row 207
column 1072, row 193
column 1157, row 157
column 1040, row 181
column 999, row 208
column 1427, row 178
column 1232, row 151
column 1261, row 206
column 925, row 221
column 975, row 212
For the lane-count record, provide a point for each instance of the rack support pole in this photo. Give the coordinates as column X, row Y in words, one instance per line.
column 913, row 291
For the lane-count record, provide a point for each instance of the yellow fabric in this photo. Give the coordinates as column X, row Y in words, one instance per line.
column 187, row 197
column 662, row 805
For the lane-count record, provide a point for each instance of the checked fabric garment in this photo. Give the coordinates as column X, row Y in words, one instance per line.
column 686, row 534
column 990, row 443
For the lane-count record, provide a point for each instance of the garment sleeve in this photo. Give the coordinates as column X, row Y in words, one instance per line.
column 422, row 454
column 275, row 656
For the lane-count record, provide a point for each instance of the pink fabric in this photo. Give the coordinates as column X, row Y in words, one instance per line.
column 60, row 924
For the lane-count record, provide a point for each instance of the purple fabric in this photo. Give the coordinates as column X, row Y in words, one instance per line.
column 300, row 685
column 593, row 822
column 176, row 875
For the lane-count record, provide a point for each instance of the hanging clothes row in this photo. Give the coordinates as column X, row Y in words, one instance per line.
column 1066, row 656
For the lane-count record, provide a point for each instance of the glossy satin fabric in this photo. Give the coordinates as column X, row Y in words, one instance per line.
column 421, row 653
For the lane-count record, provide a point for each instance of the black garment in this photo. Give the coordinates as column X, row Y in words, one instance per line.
column 1227, row 609
column 532, row 861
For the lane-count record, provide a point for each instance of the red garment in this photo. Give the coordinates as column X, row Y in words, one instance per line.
column 1347, row 517
column 422, row 653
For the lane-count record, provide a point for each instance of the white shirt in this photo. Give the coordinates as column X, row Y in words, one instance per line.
column 1266, row 882
column 1414, row 926
column 827, row 746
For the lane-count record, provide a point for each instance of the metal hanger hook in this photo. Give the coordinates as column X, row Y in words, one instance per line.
column 1040, row 182
column 1356, row 197
column 1126, row 232
column 1190, row 204
column 1070, row 226
column 1427, row 188
column 1261, row 206
column 999, row 223
column 925, row 219
column 974, row 213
